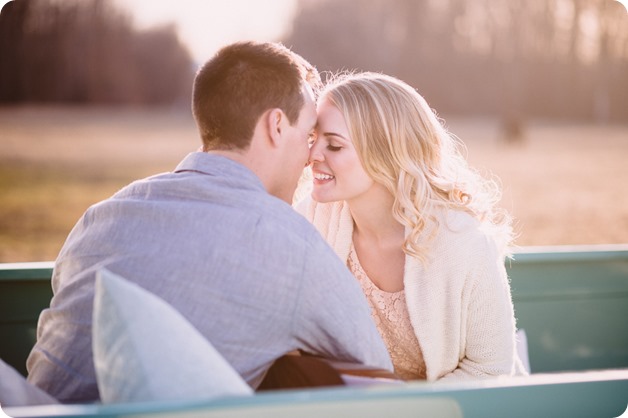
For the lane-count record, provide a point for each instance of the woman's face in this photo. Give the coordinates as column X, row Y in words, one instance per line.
column 338, row 173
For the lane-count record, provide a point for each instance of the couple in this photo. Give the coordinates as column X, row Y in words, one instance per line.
column 218, row 240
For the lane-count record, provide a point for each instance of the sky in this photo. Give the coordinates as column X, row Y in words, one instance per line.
column 206, row 25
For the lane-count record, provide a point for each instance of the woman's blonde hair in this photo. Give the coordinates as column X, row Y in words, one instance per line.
column 403, row 145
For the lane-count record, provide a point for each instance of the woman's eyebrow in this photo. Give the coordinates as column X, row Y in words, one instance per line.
column 335, row 134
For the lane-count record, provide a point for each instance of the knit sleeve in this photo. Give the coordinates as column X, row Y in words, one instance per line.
column 488, row 316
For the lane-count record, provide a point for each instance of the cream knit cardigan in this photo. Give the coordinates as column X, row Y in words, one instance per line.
column 460, row 304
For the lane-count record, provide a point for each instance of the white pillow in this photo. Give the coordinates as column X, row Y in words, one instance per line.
column 145, row 350
column 16, row 391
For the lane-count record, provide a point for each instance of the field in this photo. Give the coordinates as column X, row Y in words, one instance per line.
column 564, row 183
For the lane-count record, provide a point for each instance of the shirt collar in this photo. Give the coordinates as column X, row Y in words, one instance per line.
column 217, row 165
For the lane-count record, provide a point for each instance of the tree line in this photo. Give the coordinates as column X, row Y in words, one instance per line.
column 531, row 59
column 87, row 51
column 543, row 58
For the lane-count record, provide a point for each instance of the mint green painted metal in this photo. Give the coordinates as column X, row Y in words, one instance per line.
column 573, row 395
column 573, row 305
column 571, row 301
column 24, row 291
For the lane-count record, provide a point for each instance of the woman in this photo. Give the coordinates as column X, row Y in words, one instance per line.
column 418, row 228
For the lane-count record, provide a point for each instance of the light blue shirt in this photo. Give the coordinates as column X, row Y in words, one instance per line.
column 251, row 274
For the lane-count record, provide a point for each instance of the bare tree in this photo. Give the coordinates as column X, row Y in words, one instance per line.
column 87, row 51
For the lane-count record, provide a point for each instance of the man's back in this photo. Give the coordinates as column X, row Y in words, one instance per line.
column 247, row 271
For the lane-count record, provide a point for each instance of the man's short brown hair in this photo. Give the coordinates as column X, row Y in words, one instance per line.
column 243, row 80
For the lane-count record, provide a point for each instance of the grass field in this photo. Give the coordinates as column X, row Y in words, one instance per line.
column 565, row 184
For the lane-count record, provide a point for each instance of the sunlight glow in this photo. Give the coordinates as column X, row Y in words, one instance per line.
column 206, row 25
column 623, row 3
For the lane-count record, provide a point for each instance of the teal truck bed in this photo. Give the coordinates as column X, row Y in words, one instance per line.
column 572, row 303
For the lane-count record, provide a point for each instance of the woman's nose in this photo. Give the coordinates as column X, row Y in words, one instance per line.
column 315, row 152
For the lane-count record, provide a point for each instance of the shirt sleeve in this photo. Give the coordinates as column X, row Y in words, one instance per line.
column 333, row 318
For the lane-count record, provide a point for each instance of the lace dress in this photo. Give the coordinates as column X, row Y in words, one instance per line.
column 390, row 313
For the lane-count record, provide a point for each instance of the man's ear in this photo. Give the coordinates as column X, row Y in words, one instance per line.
column 275, row 122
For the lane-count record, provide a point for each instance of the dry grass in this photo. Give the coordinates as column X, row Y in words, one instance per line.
column 56, row 162
column 565, row 184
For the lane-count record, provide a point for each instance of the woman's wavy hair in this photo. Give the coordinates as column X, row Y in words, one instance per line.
column 403, row 145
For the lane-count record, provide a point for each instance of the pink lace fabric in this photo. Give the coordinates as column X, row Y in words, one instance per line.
column 390, row 313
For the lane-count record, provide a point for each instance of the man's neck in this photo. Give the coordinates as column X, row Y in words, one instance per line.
column 258, row 166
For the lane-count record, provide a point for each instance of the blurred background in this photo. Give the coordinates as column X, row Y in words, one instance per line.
column 95, row 93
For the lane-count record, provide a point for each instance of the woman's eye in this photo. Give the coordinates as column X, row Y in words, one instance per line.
column 311, row 139
column 333, row 148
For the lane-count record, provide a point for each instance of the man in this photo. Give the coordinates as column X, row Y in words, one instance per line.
column 217, row 239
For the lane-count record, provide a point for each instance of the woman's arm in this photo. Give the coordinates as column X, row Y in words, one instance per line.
column 490, row 346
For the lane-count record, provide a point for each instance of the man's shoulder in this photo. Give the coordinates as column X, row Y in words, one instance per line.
column 286, row 225
column 284, row 219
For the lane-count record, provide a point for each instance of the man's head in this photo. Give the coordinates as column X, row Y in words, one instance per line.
column 255, row 103
column 242, row 81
